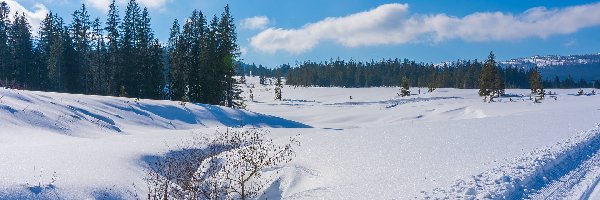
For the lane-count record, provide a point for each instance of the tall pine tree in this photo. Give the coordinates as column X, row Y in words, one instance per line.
column 21, row 43
column 4, row 45
column 535, row 82
column 113, row 36
column 228, row 51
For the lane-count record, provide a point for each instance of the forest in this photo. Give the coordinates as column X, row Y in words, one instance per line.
column 122, row 56
column 463, row 74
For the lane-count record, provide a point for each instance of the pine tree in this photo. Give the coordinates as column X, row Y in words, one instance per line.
column 149, row 60
column 177, row 82
column 129, row 57
column 113, row 36
column 535, row 82
column 98, row 65
column 81, row 36
column 157, row 74
column 212, row 83
column 238, row 100
column 490, row 81
column 193, row 32
column 227, row 52
column 4, row 39
column 262, row 80
column 70, row 65
column 55, row 57
column 21, row 43
column 278, row 87
column 405, row 87
column 43, row 49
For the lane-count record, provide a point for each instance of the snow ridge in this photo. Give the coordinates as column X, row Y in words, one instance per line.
column 531, row 175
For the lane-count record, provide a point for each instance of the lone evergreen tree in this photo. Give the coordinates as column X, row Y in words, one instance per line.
column 278, row 87
column 431, row 87
column 490, row 82
column 237, row 100
column 262, row 80
column 405, row 87
column 535, row 82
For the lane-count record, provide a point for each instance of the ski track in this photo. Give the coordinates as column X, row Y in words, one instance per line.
column 567, row 170
column 569, row 185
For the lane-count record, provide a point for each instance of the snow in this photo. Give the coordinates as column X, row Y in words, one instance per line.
column 448, row 143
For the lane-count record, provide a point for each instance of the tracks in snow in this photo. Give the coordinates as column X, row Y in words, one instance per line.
column 566, row 170
column 577, row 183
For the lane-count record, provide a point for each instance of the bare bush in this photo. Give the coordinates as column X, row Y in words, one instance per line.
column 231, row 165
column 10, row 84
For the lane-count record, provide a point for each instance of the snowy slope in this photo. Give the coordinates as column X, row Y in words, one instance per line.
column 377, row 145
column 373, row 146
column 76, row 114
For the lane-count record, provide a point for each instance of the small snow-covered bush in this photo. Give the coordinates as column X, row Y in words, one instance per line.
column 229, row 166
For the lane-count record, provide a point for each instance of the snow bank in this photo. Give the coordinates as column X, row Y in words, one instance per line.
column 78, row 115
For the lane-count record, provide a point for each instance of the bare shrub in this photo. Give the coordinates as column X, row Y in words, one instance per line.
column 231, row 165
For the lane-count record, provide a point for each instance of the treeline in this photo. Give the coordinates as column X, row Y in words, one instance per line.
column 260, row 70
column 385, row 73
column 122, row 56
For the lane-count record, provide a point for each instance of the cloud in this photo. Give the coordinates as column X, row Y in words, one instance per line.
column 102, row 5
column 153, row 4
column 35, row 15
column 391, row 24
column 243, row 51
column 570, row 43
column 255, row 23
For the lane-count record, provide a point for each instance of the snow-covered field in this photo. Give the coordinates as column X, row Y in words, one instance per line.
column 448, row 143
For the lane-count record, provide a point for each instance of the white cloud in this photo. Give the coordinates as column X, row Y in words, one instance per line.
column 102, row 5
column 35, row 15
column 243, row 51
column 570, row 43
column 255, row 23
column 391, row 24
column 153, row 4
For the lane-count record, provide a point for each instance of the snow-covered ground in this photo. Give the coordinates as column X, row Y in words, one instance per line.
column 375, row 145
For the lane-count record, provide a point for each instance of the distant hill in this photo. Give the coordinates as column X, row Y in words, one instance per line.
column 577, row 66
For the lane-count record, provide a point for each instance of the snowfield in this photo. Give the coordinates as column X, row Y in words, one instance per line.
column 375, row 145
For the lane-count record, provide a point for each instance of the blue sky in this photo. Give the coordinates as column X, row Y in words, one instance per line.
column 273, row 32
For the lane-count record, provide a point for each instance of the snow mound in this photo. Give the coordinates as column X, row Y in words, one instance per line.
column 77, row 114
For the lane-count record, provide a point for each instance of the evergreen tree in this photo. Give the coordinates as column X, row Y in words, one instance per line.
column 81, row 36
column 4, row 41
column 262, row 80
column 193, row 32
column 43, row 51
column 177, row 83
column 98, row 68
column 405, row 87
column 21, row 43
column 227, row 52
column 278, row 87
column 113, row 36
column 149, row 59
column 55, row 57
column 129, row 57
column 156, row 75
column 490, row 81
column 70, row 64
column 535, row 82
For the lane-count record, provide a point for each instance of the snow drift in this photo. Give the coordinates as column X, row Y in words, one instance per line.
column 77, row 114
